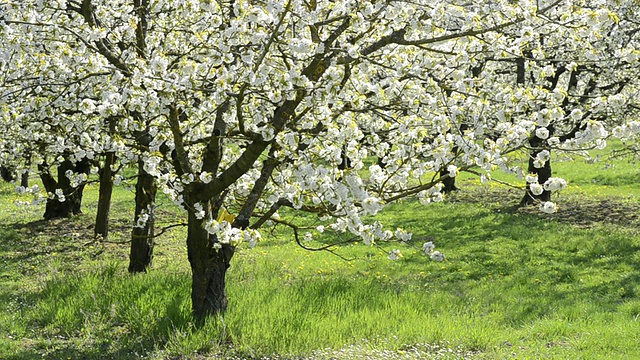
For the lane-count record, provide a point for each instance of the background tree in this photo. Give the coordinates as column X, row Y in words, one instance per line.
column 567, row 92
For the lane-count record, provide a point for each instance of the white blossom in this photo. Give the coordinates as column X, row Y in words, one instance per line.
column 542, row 133
column 536, row 189
column 531, row 178
column 428, row 247
column 548, row 207
column 555, row 184
column 394, row 254
column 437, row 256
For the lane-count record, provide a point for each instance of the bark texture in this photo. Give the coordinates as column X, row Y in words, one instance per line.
column 449, row 183
column 7, row 174
column 101, row 229
column 209, row 263
column 141, row 253
column 72, row 194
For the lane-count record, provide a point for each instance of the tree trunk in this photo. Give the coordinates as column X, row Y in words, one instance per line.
column 449, row 183
column 101, row 229
column 142, row 234
column 71, row 206
column 73, row 195
column 209, row 266
column 24, row 177
column 7, row 174
column 544, row 173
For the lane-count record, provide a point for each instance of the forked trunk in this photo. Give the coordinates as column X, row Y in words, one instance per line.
column 56, row 209
column 101, row 229
column 142, row 234
column 209, row 266
column 544, row 173
column 72, row 194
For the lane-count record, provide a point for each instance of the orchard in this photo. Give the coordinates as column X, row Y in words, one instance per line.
column 250, row 115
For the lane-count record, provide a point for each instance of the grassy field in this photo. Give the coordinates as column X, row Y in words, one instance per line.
column 516, row 284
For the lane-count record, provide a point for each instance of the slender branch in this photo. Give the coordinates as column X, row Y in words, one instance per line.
column 326, row 248
column 268, row 165
column 178, row 139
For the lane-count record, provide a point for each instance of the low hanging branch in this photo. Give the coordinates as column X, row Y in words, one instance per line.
column 296, row 229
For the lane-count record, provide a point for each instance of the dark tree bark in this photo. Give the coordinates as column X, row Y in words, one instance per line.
column 142, row 236
column 544, row 173
column 210, row 259
column 209, row 263
column 7, row 174
column 345, row 162
column 101, row 229
column 24, row 177
column 449, row 183
column 73, row 195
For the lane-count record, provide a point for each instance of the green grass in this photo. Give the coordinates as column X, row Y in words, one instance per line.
column 516, row 284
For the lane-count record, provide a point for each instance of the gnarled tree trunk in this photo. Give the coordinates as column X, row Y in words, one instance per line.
column 142, row 234
column 72, row 194
column 209, row 263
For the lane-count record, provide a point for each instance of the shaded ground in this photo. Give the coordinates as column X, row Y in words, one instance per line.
column 579, row 210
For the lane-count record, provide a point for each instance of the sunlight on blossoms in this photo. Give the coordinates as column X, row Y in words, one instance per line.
column 548, row 207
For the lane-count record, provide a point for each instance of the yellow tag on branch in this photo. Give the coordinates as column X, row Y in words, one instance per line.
column 223, row 215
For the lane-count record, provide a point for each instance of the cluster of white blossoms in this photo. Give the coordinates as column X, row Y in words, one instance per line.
column 34, row 195
column 226, row 234
column 552, row 184
column 555, row 184
column 145, row 215
column 541, row 158
column 628, row 131
column 548, row 207
column 429, row 249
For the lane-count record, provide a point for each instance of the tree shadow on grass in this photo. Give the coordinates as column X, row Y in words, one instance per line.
column 579, row 210
column 573, row 257
column 105, row 324
column 33, row 253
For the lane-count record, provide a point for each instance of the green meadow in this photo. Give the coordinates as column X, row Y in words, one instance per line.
column 516, row 283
